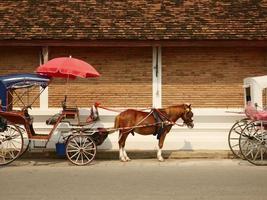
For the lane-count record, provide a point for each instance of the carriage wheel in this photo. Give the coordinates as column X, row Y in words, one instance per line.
column 253, row 144
column 234, row 135
column 80, row 149
column 26, row 141
column 11, row 144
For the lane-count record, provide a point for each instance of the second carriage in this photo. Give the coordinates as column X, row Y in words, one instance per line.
column 248, row 137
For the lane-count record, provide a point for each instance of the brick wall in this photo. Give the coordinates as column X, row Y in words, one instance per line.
column 126, row 77
column 20, row 60
column 209, row 77
column 205, row 77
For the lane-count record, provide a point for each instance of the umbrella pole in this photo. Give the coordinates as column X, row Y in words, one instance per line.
column 66, row 90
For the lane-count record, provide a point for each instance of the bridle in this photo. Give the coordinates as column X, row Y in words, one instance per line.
column 187, row 120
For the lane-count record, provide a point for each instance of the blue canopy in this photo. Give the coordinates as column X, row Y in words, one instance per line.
column 16, row 81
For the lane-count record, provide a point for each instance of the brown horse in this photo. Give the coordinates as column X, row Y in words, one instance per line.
column 147, row 123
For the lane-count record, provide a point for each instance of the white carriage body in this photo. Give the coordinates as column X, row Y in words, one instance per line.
column 254, row 90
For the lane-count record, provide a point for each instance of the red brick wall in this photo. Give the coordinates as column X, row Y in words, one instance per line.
column 20, row 60
column 126, row 77
column 205, row 77
column 209, row 77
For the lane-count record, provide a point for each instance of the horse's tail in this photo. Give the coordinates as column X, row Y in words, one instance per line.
column 116, row 125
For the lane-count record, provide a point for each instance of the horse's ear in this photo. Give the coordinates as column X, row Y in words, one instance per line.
column 187, row 107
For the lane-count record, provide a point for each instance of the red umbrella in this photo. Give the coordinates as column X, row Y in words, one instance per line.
column 67, row 67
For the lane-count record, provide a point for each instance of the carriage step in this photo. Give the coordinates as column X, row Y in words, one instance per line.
column 39, row 146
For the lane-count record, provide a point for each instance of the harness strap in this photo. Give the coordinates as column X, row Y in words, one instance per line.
column 138, row 126
column 159, row 120
column 171, row 122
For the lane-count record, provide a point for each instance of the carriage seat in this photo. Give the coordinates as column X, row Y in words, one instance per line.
column 93, row 117
column 254, row 114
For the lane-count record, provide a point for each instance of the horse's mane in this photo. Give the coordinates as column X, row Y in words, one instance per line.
column 174, row 106
column 169, row 108
column 177, row 105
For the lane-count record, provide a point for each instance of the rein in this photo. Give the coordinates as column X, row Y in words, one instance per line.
column 138, row 125
column 111, row 130
column 170, row 121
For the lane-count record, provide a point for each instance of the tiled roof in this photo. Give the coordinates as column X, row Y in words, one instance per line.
column 133, row 19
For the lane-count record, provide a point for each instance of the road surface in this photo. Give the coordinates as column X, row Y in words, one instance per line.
column 139, row 179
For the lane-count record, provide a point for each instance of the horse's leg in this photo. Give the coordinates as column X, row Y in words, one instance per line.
column 122, row 138
column 123, row 147
column 161, row 141
column 121, row 156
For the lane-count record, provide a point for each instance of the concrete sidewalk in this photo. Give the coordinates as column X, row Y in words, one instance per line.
column 138, row 154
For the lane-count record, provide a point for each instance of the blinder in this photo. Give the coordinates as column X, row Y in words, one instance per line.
column 187, row 117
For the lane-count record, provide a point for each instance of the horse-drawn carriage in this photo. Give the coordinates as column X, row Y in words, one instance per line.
column 16, row 124
column 81, row 140
column 248, row 137
column 20, row 91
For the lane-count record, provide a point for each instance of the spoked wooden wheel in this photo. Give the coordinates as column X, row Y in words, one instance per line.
column 253, row 144
column 80, row 149
column 11, row 144
column 234, row 135
column 26, row 141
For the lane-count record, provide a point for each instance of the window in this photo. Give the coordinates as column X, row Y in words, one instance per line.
column 248, row 94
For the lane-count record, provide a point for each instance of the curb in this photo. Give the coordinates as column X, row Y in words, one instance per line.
column 138, row 154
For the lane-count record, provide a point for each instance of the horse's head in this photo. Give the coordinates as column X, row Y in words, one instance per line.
column 187, row 116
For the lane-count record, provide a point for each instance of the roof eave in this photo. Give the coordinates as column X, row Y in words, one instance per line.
column 137, row 43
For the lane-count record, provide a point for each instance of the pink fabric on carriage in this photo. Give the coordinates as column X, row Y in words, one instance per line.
column 261, row 115
column 252, row 113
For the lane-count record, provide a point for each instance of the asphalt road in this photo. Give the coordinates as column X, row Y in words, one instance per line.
column 138, row 179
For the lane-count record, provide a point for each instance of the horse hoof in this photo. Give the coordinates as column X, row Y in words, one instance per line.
column 128, row 159
column 161, row 159
column 123, row 160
